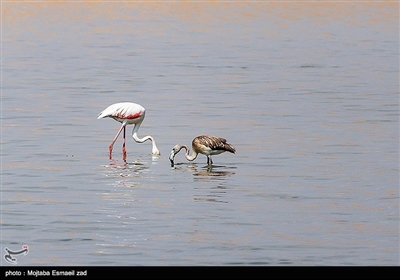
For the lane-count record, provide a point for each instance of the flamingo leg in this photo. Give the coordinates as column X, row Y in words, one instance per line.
column 123, row 146
column 115, row 138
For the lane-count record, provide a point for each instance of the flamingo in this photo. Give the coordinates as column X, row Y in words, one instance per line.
column 204, row 144
column 127, row 113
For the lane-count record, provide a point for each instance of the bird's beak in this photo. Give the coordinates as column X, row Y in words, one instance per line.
column 155, row 152
column 171, row 158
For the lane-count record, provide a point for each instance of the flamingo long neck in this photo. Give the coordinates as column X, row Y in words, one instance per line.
column 191, row 157
column 144, row 139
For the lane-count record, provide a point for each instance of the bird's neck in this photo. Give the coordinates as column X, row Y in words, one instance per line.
column 141, row 140
column 189, row 157
column 135, row 137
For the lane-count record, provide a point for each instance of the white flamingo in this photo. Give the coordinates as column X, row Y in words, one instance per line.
column 204, row 144
column 127, row 113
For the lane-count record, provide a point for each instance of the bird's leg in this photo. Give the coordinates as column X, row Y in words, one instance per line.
column 123, row 147
column 209, row 160
column 115, row 138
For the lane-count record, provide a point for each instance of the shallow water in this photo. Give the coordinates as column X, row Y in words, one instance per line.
column 306, row 93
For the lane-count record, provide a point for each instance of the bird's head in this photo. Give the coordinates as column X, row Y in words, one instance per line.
column 155, row 151
column 173, row 152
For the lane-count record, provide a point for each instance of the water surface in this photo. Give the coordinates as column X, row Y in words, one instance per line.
column 307, row 93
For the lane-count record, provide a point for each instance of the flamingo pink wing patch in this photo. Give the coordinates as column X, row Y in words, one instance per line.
column 127, row 114
column 134, row 116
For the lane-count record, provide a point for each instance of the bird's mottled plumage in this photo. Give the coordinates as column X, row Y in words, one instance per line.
column 211, row 143
column 204, row 144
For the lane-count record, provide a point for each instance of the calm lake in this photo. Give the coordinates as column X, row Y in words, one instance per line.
column 307, row 93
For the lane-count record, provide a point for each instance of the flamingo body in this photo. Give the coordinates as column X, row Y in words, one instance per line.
column 207, row 145
column 132, row 113
column 127, row 113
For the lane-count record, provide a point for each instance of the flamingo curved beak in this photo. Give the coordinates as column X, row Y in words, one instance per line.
column 155, row 152
column 171, row 157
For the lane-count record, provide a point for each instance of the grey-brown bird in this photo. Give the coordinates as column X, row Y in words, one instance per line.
column 204, row 144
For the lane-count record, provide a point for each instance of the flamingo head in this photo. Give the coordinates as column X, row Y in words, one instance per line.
column 155, row 151
column 173, row 153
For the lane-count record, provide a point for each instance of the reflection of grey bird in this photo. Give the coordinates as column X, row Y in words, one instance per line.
column 204, row 144
column 127, row 113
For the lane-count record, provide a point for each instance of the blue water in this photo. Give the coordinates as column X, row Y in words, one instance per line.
column 307, row 94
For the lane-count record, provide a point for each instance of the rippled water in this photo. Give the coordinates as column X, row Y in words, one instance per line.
column 307, row 94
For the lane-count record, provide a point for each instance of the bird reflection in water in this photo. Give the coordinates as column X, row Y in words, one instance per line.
column 208, row 173
column 125, row 169
column 215, row 179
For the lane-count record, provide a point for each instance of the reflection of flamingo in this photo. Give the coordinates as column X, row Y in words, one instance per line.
column 204, row 144
column 127, row 113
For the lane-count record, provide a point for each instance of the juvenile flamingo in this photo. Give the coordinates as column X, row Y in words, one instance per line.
column 127, row 113
column 204, row 144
